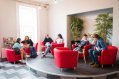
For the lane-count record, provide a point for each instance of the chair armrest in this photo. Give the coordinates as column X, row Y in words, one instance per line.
column 87, row 47
column 73, row 46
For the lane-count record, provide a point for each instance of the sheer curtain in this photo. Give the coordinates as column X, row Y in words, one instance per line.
column 28, row 22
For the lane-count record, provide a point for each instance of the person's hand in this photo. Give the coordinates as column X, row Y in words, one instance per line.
column 76, row 43
column 97, row 48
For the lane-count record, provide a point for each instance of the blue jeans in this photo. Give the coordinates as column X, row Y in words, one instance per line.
column 94, row 55
column 48, row 47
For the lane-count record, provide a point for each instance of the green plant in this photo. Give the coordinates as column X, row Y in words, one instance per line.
column 76, row 27
column 104, row 26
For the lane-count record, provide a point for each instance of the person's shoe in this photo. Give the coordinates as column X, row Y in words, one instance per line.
column 92, row 63
column 23, row 62
column 43, row 56
column 95, row 65
column 27, row 56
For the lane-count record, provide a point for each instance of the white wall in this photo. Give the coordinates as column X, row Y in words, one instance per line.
column 58, row 15
column 9, row 17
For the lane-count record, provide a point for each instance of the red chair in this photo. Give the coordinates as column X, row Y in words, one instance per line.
column 11, row 55
column 43, row 46
column 27, row 50
column 108, row 56
column 65, row 58
column 54, row 45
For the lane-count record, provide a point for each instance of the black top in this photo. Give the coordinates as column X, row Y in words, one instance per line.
column 48, row 40
column 30, row 42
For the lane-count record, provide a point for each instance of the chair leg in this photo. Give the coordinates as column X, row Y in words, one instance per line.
column 112, row 65
column 102, row 66
column 14, row 62
column 61, row 69
column 75, row 68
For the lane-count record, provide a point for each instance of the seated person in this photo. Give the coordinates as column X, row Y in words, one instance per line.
column 94, row 52
column 28, row 40
column 47, row 41
column 27, row 43
column 83, row 42
column 19, row 49
column 59, row 40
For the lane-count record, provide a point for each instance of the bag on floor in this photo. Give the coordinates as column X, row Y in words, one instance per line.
column 33, row 53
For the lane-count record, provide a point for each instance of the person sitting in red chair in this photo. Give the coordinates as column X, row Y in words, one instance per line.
column 19, row 49
column 84, row 41
column 96, row 51
column 59, row 40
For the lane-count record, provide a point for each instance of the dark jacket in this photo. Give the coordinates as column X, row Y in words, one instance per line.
column 30, row 42
column 48, row 40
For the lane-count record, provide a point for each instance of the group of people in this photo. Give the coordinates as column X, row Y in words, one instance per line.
column 48, row 41
column 95, row 40
column 20, row 47
column 97, row 45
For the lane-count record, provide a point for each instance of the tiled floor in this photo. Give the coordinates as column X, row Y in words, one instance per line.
column 16, row 71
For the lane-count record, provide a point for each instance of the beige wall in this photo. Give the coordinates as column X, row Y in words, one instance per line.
column 58, row 15
column 9, row 20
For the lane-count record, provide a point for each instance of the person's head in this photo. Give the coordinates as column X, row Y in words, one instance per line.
column 60, row 36
column 85, row 36
column 95, row 37
column 26, row 37
column 47, row 36
column 18, row 40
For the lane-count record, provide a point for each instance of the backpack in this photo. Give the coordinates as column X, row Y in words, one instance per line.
column 33, row 53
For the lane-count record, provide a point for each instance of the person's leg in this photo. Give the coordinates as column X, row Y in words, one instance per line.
column 23, row 54
column 91, row 56
column 77, row 49
column 47, row 50
column 95, row 54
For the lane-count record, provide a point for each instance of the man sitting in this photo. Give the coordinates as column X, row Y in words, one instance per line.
column 98, row 47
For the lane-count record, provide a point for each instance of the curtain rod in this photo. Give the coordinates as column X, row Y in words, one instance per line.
column 33, row 3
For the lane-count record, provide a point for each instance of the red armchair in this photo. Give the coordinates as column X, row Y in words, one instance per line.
column 43, row 46
column 65, row 58
column 108, row 56
column 54, row 45
column 11, row 55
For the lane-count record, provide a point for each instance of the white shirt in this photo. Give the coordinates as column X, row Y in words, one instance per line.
column 59, row 41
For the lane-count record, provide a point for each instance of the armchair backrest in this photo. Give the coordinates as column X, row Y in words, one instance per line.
column 54, row 45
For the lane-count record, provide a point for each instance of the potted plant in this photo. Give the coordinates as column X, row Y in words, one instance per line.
column 104, row 26
column 76, row 27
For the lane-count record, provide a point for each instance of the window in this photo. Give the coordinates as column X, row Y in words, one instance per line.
column 28, row 22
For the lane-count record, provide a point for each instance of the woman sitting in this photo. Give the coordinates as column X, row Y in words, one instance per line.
column 19, row 49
